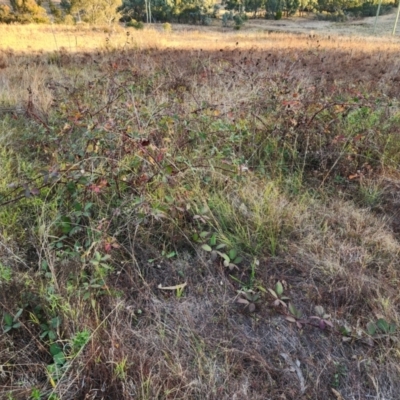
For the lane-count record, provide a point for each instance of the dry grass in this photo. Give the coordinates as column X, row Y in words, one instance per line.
column 284, row 146
column 32, row 38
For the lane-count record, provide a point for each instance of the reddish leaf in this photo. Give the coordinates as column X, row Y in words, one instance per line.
column 339, row 139
column 145, row 142
column 159, row 157
column 107, row 247
column 329, row 323
column 95, row 188
column 35, row 191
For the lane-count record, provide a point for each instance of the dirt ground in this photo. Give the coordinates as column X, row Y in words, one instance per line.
column 310, row 25
column 363, row 27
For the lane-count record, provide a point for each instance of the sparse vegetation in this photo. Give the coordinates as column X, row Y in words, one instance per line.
column 181, row 219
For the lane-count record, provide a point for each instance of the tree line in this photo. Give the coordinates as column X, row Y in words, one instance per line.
column 182, row 11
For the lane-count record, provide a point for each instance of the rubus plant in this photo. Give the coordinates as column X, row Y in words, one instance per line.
column 100, row 265
column 11, row 322
column 56, row 369
column 295, row 313
column 249, row 298
column 231, row 259
column 381, row 327
column 375, row 330
column 277, row 294
column 49, row 329
column 209, row 243
column 50, row 336
column 48, row 325
column 321, row 319
column 292, row 314
column 79, row 341
column 91, row 287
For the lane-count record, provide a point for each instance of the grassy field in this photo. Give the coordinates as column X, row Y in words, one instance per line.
column 198, row 216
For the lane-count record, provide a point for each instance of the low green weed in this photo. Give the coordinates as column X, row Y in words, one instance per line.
column 5, row 273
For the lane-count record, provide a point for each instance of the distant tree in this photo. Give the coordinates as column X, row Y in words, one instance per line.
column 132, row 9
column 307, row 5
column 187, row 11
column 94, row 11
column 55, row 11
column 273, row 8
column 23, row 11
column 234, row 5
column 193, row 11
column 291, row 7
column 254, row 6
column 6, row 15
column 147, row 10
column 331, row 6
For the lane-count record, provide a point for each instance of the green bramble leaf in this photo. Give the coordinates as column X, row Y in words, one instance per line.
column 232, row 254
column 59, row 358
column 371, row 328
column 206, row 247
column 55, row 349
column 18, row 314
column 279, row 288
column 8, row 319
column 382, row 325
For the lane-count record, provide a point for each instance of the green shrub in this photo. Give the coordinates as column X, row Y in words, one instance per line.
column 69, row 20
column 238, row 20
column 206, row 20
column 135, row 24
column 369, row 9
column 273, row 9
column 167, row 27
column 338, row 16
column 226, row 18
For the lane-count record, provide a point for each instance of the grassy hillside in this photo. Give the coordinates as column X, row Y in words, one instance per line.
column 198, row 216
